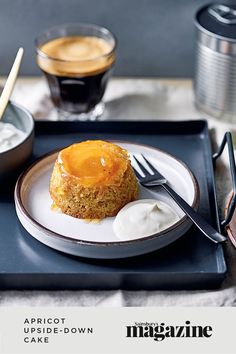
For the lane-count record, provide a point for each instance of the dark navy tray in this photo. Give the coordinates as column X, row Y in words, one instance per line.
column 192, row 262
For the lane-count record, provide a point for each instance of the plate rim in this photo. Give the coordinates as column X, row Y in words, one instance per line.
column 20, row 206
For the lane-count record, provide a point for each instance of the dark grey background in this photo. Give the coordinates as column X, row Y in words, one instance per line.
column 155, row 37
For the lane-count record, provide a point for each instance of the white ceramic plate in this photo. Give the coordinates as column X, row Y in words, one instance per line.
column 74, row 236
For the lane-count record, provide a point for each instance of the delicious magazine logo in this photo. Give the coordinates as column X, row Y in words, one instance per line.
column 160, row 331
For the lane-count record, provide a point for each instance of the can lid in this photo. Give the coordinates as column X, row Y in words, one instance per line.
column 218, row 20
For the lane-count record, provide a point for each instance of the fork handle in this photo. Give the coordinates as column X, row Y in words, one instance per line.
column 197, row 219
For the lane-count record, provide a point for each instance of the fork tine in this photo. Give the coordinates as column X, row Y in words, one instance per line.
column 137, row 174
column 142, row 168
column 153, row 169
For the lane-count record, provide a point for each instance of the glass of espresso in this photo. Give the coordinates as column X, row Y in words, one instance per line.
column 77, row 60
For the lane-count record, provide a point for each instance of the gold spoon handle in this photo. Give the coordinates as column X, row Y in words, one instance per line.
column 10, row 83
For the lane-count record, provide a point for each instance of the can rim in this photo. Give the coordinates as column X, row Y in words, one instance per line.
column 206, row 31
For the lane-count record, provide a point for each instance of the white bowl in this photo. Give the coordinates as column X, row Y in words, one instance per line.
column 12, row 159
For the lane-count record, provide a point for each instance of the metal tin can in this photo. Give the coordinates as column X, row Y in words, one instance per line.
column 215, row 68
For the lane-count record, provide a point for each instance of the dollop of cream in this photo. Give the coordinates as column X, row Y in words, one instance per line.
column 10, row 136
column 142, row 218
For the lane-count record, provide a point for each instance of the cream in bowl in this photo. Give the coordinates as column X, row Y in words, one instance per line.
column 16, row 138
column 144, row 217
column 10, row 136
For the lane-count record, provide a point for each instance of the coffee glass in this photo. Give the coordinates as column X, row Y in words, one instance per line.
column 77, row 60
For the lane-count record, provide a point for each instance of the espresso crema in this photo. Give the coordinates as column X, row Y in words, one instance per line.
column 75, row 56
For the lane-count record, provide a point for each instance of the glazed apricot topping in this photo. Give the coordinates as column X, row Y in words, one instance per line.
column 94, row 162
